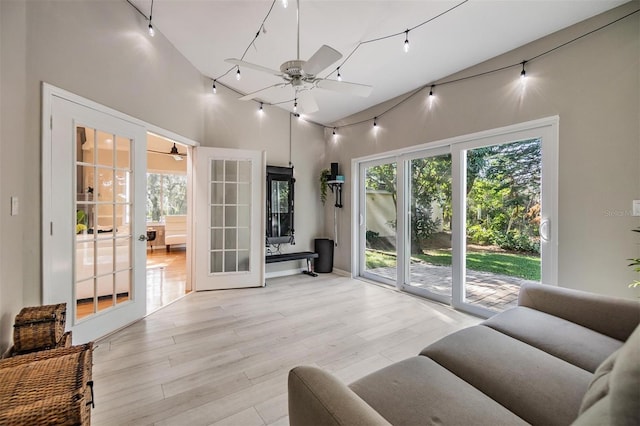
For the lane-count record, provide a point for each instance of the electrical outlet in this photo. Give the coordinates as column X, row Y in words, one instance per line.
column 636, row 207
column 14, row 206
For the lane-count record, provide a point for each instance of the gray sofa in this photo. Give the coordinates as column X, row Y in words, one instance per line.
column 560, row 357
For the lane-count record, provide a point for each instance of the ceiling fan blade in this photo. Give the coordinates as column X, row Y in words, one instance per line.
column 240, row 63
column 179, row 156
column 320, row 60
column 253, row 95
column 307, row 102
column 356, row 89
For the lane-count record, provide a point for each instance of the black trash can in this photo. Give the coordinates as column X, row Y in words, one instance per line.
column 324, row 262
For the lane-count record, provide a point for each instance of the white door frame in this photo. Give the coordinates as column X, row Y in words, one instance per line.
column 546, row 128
column 48, row 92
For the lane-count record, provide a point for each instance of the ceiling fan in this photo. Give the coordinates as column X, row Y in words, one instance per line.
column 302, row 76
column 178, row 156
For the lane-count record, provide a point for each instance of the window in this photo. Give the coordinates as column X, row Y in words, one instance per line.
column 166, row 195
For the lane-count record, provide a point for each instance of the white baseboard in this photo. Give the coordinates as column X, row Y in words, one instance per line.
column 342, row 272
column 287, row 272
column 283, row 273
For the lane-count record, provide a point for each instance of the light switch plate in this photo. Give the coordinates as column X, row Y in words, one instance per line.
column 14, row 206
column 636, row 207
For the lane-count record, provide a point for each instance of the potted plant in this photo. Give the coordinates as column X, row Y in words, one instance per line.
column 325, row 174
column 81, row 221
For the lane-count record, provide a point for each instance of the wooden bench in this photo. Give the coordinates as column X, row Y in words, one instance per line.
column 285, row 257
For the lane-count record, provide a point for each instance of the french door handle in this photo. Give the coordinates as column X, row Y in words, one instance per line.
column 545, row 229
column 142, row 237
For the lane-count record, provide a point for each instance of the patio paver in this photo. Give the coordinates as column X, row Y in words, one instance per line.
column 493, row 291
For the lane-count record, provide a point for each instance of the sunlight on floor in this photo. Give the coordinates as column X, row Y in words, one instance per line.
column 166, row 277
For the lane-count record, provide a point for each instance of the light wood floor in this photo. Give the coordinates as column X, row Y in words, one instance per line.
column 166, row 276
column 222, row 357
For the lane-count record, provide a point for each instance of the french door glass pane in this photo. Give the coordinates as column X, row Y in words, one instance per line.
column 503, row 207
column 103, row 255
column 430, row 224
column 380, row 216
column 229, row 222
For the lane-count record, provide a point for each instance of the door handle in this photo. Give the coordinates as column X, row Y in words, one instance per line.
column 544, row 229
column 142, row 237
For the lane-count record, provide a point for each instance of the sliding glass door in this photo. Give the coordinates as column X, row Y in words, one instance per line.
column 378, row 206
column 429, row 216
column 502, row 220
column 466, row 223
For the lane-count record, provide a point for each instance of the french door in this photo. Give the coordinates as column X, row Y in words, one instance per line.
column 465, row 223
column 94, row 238
column 229, row 222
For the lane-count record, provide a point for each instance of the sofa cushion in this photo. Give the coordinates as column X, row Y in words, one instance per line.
column 624, row 383
column 418, row 391
column 599, row 386
column 536, row 386
column 613, row 395
column 597, row 415
column 566, row 340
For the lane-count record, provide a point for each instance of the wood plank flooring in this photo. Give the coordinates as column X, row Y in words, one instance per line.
column 222, row 358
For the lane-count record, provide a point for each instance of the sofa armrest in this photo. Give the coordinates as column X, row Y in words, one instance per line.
column 612, row 316
column 318, row 398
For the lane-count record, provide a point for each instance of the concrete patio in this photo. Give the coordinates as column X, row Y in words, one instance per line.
column 492, row 291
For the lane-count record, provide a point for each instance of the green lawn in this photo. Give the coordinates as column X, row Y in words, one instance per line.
column 515, row 265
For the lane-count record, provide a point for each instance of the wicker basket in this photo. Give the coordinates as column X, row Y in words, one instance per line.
column 39, row 327
column 47, row 388
column 65, row 342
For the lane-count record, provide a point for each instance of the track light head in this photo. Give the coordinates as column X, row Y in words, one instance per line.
column 339, row 76
column 375, row 121
column 523, row 73
column 214, row 88
column 152, row 32
column 295, row 105
column 431, row 90
column 238, row 76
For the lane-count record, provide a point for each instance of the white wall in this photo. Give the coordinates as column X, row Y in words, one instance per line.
column 593, row 85
column 12, row 164
column 100, row 50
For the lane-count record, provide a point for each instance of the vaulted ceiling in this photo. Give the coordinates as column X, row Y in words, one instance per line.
column 207, row 32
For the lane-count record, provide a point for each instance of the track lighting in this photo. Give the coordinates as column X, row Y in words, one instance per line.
column 339, row 76
column 523, row 74
column 295, row 105
column 375, row 121
column 406, row 41
column 215, row 90
column 238, row 76
column 334, row 131
column 431, row 90
column 151, row 30
column 261, row 110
